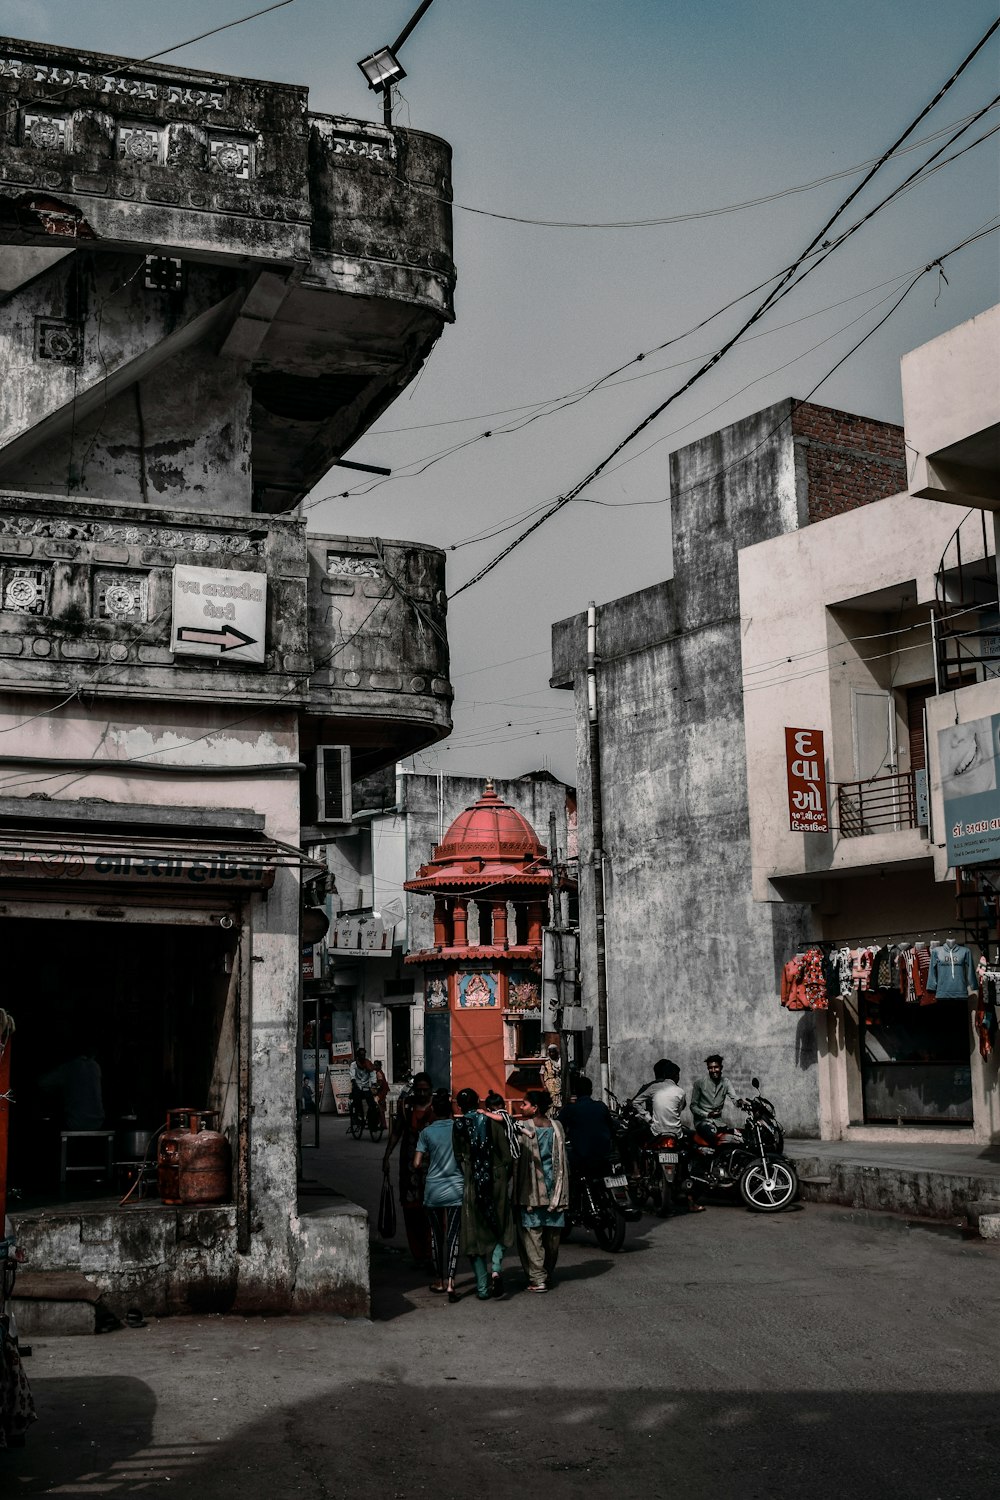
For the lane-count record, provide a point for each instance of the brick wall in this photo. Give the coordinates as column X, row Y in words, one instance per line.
column 849, row 460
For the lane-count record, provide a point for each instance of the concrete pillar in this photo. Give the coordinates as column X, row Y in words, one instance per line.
column 460, row 919
column 536, row 921
column 499, row 924
column 442, row 923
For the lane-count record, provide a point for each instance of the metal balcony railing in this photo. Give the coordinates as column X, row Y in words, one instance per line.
column 884, row 804
column 964, row 613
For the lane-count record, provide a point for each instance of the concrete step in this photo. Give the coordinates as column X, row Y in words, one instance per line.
column 38, row 1318
column 48, row 1304
column 984, row 1218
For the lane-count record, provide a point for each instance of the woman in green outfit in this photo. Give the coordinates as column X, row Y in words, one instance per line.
column 483, row 1152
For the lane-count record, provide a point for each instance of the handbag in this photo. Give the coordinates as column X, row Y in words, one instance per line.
column 387, row 1211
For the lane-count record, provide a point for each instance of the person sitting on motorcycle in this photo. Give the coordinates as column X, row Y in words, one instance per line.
column 709, row 1097
column 666, row 1101
column 587, row 1123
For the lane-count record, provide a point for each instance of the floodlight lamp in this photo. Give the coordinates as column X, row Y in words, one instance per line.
column 382, row 69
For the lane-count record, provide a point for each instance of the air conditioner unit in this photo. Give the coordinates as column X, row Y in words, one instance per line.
column 333, row 783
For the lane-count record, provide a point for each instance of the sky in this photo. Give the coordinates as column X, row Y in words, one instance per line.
column 590, row 111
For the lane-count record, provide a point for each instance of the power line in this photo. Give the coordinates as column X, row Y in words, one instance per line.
column 692, row 214
column 572, row 495
column 787, row 281
column 484, row 416
column 47, row 98
column 510, row 522
column 202, row 35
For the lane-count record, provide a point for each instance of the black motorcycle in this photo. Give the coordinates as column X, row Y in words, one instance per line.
column 599, row 1200
column 748, row 1160
column 653, row 1163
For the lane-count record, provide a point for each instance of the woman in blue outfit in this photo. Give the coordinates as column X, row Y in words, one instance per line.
column 541, row 1191
column 443, row 1187
column 483, row 1152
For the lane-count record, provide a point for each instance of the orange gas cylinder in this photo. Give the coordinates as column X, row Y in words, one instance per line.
column 193, row 1159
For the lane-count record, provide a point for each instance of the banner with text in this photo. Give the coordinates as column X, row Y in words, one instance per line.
column 967, row 754
column 806, row 770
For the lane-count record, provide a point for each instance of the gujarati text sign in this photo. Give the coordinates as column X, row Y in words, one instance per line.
column 219, row 612
column 806, row 769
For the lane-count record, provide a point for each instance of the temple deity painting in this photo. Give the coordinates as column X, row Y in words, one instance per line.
column 436, row 993
column 477, row 991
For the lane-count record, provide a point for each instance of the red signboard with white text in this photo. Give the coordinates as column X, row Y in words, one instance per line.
column 806, row 767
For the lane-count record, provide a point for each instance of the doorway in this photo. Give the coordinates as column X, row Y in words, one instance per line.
column 138, row 1016
column 400, row 1043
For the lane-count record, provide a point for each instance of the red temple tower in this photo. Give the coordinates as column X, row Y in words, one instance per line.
column 490, row 877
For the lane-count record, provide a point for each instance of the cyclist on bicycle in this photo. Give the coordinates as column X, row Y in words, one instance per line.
column 362, row 1084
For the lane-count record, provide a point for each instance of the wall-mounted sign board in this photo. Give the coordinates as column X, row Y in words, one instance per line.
column 219, row 613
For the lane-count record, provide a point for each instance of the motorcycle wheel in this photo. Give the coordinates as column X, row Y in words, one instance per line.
column 769, row 1199
column 610, row 1231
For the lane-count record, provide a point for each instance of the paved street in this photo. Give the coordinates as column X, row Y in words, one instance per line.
column 814, row 1353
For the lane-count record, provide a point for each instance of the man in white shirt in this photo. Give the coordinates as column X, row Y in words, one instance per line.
column 667, row 1098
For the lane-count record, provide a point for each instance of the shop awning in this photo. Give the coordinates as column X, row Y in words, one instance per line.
column 123, row 860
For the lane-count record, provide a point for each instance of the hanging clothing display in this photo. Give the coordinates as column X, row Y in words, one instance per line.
column 803, row 984
column 914, row 972
column 951, row 974
column 986, row 1021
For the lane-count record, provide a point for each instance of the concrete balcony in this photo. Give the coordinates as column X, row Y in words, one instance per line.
column 377, row 615
column 195, row 253
column 87, row 600
column 352, row 631
column 951, row 413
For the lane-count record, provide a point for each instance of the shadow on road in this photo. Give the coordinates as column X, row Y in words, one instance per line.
column 419, row 1436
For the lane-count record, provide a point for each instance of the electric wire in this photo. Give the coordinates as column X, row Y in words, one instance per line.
column 769, row 300
column 509, row 523
column 787, row 281
column 691, row 214
column 48, row 98
column 637, row 359
column 599, row 468
column 854, row 640
column 227, row 26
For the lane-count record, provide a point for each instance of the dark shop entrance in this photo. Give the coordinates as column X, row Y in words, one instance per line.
column 117, row 1022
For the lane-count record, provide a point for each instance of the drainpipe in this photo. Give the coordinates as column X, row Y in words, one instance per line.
column 597, row 847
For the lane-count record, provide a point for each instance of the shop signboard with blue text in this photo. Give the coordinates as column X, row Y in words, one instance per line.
column 970, row 788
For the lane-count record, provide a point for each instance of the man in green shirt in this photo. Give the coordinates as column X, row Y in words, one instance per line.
column 709, row 1095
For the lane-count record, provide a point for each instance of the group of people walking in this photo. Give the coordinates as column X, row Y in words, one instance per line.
column 477, row 1182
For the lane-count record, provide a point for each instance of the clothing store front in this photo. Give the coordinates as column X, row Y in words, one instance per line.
column 906, row 1020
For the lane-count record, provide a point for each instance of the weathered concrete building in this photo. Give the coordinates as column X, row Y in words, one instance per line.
column 693, row 960
column 209, row 293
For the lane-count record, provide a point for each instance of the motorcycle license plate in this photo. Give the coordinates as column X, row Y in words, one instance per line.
column 616, row 1182
column 668, row 1156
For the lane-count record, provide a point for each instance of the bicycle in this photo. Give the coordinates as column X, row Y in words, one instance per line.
column 369, row 1117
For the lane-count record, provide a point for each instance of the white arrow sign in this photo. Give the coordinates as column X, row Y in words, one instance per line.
column 219, row 612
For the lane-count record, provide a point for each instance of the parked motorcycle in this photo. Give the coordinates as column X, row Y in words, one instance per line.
column 652, row 1162
column 748, row 1160
column 599, row 1200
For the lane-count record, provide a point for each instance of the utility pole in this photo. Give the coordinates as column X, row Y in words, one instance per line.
column 560, row 974
column 597, row 848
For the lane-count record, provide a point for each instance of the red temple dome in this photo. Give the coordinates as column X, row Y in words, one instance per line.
column 488, row 842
